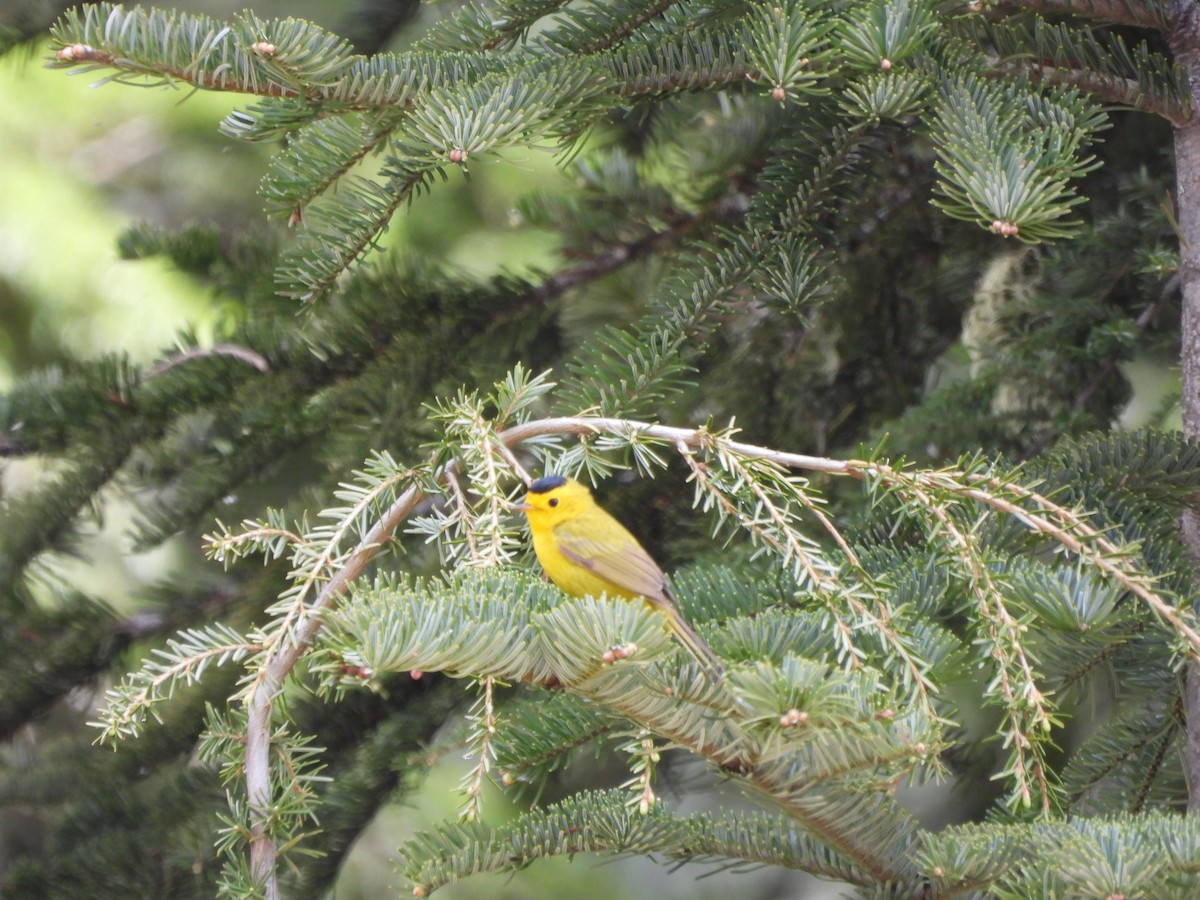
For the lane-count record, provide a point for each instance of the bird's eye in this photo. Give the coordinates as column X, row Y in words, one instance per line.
column 554, row 501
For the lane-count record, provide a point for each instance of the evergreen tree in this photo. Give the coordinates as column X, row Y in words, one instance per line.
column 750, row 233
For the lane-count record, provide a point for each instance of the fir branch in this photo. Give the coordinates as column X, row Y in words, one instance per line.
column 593, row 822
column 765, row 520
column 278, row 664
column 193, row 50
column 1007, row 156
column 318, row 155
column 483, row 727
column 496, row 26
column 1125, row 754
column 48, row 516
column 1123, row 92
column 186, row 658
column 344, row 228
column 1149, row 15
column 1050, row 519
column 1163, row 743
column 245, row 354
column 487, row 615
column 1073, row 532
column 645, row 759
column 777, row 528
column 615, row 22
column 1029, row 712
column 537, row 734
column 1097, row 61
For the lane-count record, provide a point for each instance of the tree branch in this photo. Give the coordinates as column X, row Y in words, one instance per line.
column 1056, row 522
column 1117, row 12
column 1123, row 92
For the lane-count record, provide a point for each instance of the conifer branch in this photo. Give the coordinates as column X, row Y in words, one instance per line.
column 792, row 769
column 223, row 348
column 1071, row 530
column 185, row 659
column 625, row 25
column 645, row 763
column 483, row 729
column 601, row 821
column 1123, row 92
column 201, row 52
column 281, row 659
column 1075, row 534
column 984, row 489
column 784, row 539
column 1163, row 741
column 768, row 523
column 1150, row 15
column 334, row 571
column 1026, row 708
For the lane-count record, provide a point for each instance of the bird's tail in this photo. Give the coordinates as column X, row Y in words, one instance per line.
column 694, row 644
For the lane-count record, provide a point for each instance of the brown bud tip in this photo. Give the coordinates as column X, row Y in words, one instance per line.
column 921, row 748
column 73, row 52
column 416, row 674
column 506, row 778
column 885, row 715
column 885, row 65
column 609, row 657
column 296, row 218
column 937, row 872
column 669, row 691
column 458, row 155
column 793, row 717
column 263, row 48
column 778, row 93
column 420, row 890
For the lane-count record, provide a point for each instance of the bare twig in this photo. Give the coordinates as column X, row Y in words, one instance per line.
column 245, row 354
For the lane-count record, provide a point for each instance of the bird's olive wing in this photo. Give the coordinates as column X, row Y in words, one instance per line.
column 619, row 560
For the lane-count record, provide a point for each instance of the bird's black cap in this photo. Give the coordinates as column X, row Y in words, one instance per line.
column 548, row 483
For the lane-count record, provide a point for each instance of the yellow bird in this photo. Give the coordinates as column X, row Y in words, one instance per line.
column 585, row 551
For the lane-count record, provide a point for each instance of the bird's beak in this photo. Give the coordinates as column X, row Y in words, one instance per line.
column 522, row 506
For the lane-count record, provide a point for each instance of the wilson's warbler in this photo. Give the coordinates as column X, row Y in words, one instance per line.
column 585, row 551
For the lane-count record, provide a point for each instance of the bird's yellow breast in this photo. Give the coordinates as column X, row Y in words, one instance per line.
column 572, row 577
